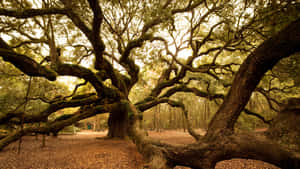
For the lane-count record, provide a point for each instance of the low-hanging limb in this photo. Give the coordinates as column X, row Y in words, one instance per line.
column 32, row 68
column 206, row 153
column 56, row 126
column 79, row 100
column 220, row 143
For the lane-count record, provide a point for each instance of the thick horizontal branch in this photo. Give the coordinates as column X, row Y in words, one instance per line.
column 197, row 92
column 76, row 101
column 26, row 64
column 150, row 101
column 206, row 154
column 145, row 105
column 56, row 125
column 88, row 75
column 32, row 68
column 27, row 13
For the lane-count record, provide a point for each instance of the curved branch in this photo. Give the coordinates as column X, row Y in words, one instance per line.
column 128, row 63
column 283, row 44
column 186, row 117
column 53, row 107
column 269, row 99
column 100, row 62
column 197, row 92
column 25, row 63
column 82, row 72
column 248, row 112
column 75, row 89
column 144, row 106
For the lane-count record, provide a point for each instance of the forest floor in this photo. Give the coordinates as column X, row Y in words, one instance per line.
column 90, row 150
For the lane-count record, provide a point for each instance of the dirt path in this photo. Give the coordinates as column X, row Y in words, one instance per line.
column 85, row 151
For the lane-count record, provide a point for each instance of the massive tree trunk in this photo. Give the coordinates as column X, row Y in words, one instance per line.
column 118, row 124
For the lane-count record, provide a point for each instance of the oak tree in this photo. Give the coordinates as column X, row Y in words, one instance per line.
column 230, row 45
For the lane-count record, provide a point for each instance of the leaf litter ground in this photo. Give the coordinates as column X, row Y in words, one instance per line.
column 85, row 151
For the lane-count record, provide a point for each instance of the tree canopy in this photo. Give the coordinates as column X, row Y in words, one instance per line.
column 134, row 55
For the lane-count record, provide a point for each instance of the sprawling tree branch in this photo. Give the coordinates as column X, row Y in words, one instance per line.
column 57, row 125
column 25, row 63
column 218, row 144
column 283, row 44
column 237, row 146
column 197, row 92
column 76, row 101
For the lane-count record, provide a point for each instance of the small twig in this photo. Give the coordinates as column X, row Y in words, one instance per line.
column 258, row 116
column 76, row 88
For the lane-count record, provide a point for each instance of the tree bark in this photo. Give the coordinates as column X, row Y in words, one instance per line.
column 118, row 124
column 206, row 154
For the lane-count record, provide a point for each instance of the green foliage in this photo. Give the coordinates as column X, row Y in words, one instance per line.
column 14, row 86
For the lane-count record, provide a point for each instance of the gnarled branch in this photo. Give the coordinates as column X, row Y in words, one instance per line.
column 27, row 13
